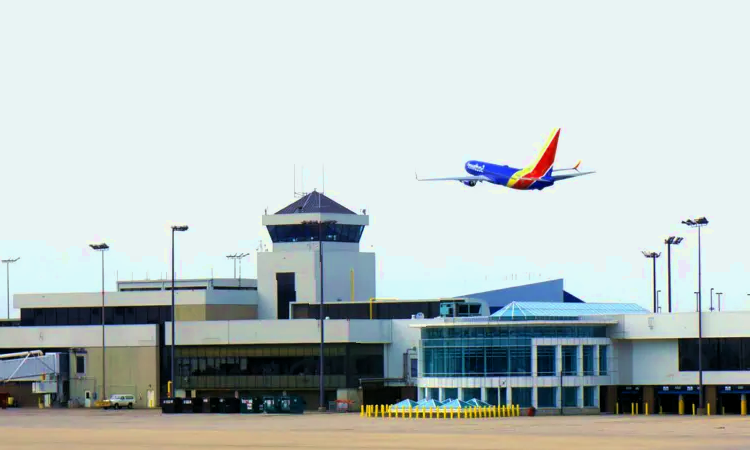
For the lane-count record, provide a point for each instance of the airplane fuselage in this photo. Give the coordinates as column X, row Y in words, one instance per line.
column 505, row 176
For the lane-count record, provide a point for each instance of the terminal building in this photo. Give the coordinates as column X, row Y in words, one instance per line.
column 533, row 345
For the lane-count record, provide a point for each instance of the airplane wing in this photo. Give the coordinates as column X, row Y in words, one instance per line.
column 570, row 175
column 465, row 178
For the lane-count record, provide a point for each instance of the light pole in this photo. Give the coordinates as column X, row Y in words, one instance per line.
column 103, row 248
column 711, row 307
column 321, row 236
column 658, row 303
column 174, row 317
column 7, row 263
column 699, row 223
column 653, row 255
column 719, row 294
column 235, row 257
column 670, row 241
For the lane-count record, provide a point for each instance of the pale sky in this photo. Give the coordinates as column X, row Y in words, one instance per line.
column 118, row 119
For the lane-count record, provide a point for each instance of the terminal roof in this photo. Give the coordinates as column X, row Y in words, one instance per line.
column 552, row 311
column 315, row 202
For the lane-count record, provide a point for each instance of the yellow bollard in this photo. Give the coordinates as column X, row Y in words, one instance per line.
column 504, row 411
column 645, row 408
column 518, row 410
column 451, row 413
column 636, row 408
column 362, row 411
column 693, row 408
column 410, row 411
column 632, row 408
column 708, row 409
column 743, row 408
column 617, row 408
column 390, row 412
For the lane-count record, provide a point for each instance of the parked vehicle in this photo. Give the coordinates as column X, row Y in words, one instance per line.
column 118, row 401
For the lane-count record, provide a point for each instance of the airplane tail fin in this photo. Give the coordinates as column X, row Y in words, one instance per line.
column 542, row 166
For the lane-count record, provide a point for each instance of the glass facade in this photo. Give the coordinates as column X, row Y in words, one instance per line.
column 589, row 396
column 451, row 393
column 546, row 360
column 546, row 397
column 570, row 359
column 470, row 393
column 588, row 360
column 570, row 396
column 275, row 366
column 492, row 396
column 522, row 397
column 730, row 354
column 113, row 315
column 603, row 360
column 478, row 351
column 433, row 393
column 311, row 232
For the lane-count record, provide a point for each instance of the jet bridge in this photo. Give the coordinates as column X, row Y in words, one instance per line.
column 32, row 366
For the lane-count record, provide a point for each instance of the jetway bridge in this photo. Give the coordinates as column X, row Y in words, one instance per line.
column 32, row 366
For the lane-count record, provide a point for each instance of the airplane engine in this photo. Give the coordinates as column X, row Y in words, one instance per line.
column 470, row 183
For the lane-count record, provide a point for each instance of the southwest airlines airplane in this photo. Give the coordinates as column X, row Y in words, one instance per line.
column 538, row 175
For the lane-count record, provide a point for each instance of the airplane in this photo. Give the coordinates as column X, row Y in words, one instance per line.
column 536, row 176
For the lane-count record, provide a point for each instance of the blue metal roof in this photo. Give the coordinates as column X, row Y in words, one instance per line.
column 315, row 202
column 569, row 311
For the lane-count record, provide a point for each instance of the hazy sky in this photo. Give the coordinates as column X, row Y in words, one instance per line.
column 118, row 119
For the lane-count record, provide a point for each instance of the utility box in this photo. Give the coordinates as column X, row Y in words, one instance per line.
column 269, row 405
column 250, row 405
column 291, row 404
column 187, row 405
column 170, row 406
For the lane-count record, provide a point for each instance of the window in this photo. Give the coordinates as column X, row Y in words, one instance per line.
column 450, row 393
column 588, row 360
column 471, row 393
column 589, row 393
column 570, row 396
column 414, row 368
column 545, row 360
column 602, row 360
column 521, row 397
column 492, row 396
column 570, row 359
column 546, row 397
column 725, row 354
column 80, row 365
column 433, row 393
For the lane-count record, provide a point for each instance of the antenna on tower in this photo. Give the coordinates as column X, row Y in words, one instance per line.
column 302, row 181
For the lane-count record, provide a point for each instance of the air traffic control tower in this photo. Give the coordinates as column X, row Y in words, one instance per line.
column 291, row 271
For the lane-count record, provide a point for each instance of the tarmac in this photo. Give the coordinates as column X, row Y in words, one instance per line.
column 30, row 429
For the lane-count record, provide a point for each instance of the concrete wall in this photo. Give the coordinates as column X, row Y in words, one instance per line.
column 129, row 370
column 680, row 325
column 192, row 313
column 302, row 331
column 136, row 298
column 305, row 263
